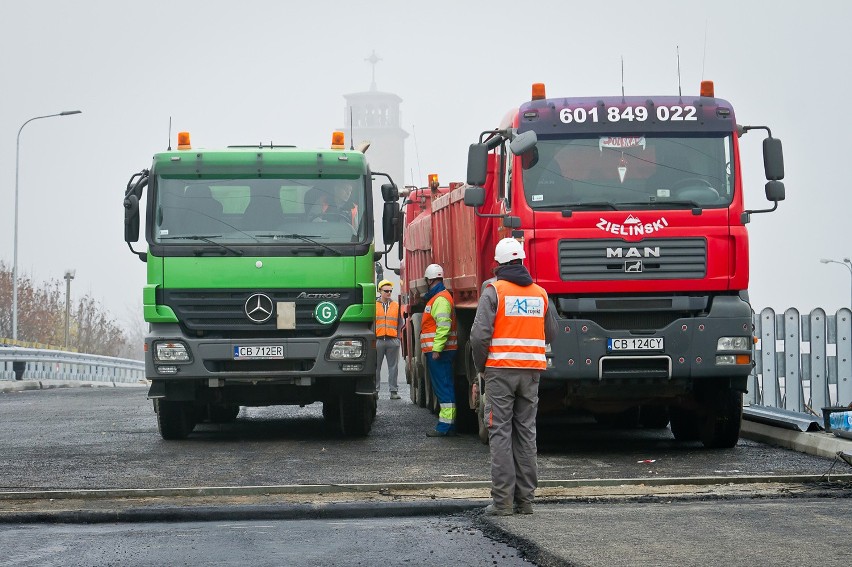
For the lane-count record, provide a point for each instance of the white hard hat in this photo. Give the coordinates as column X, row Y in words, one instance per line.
column 433, row 272
column 507, row 250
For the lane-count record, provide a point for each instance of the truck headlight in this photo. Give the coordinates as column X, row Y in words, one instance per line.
column 165, row 351
column 347, row 349
column 733, row 343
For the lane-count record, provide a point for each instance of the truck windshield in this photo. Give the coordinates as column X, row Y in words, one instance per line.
column 240, row 211
column 624, row 171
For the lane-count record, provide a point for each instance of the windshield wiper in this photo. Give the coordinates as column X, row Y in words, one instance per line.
column 678, row 203
column 304, row 237
column 590, row 205
column 205, row 238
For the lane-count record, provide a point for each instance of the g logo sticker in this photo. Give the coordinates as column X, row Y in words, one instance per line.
column 325, row 312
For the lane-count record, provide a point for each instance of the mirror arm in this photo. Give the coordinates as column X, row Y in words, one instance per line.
column 142, row 255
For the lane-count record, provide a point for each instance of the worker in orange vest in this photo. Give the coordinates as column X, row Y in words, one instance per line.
column 513, row 324
column 438, row 342
column 387, row 337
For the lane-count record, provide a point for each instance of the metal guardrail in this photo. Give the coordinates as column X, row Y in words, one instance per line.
column 802, row 362
column 18, row 363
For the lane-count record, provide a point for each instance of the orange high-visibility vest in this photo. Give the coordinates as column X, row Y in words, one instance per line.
column 518, row 339
column 352, row 213
column 429, row 326
column 387, row 322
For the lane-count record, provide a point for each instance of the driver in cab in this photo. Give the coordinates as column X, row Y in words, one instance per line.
column 335, row 207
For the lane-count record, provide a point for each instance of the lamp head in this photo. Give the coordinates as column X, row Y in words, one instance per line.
column 824, row 261
column 69, row 112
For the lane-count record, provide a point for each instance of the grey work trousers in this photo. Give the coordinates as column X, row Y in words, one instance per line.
column 387, row 348
column 511, row 405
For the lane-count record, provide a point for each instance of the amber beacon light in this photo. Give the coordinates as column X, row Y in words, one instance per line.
column 338, row 141
column 183, row 141
column 538, row 91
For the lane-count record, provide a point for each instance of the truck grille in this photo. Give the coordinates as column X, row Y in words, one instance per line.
column 223, row 311
column 650, row 259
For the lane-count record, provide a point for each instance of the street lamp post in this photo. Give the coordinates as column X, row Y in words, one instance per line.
column 846, row 263
column 69, row 275
column 15, row 253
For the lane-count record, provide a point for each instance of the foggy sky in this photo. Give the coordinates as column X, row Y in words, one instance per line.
column 245, row 72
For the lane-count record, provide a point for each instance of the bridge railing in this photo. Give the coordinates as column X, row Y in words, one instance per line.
column 19, row 363
column 803, row 363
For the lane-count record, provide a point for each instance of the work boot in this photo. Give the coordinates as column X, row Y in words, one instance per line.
column 492, row 510
column 436, row 433
column 523, row 508
column 394, row 396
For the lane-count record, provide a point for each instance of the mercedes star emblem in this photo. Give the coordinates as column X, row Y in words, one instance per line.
column 259, row 308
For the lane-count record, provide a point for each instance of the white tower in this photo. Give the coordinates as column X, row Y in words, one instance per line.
column 373, row 116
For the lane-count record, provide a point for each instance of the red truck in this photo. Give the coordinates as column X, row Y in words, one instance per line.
column 632, row 216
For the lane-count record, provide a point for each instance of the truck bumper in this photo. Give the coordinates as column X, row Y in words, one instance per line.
column 582, row 359
column 306, row 371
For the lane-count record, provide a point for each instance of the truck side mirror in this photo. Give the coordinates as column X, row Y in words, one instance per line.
column 131, row 218
column 477, row 164
column 523, row 142
column 773, row 159
column 774, row 191
column 390, row 193
column 390, row 214
column 474, row 196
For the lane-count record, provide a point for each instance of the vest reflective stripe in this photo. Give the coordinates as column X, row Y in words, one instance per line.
column 447, row 414
column 387, row 323
column 429, row 325
column 518, row 339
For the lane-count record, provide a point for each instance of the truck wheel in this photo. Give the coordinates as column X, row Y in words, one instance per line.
column 356, row 414
column 685, row 426
column 223, row 413
column 480, row 419
column 175, row 420
column 466, row 418
column 721, row 429
column 331, row 410
column 421, row 387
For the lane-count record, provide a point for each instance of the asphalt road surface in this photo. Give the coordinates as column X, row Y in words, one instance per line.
column 389, row 541
column 107, row 438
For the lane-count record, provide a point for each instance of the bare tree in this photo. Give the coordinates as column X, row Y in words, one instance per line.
column 41, row 318
column 40, row 309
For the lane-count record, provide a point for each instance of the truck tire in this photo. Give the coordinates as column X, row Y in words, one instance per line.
column 421, row 385
column 480, row 420
column 430, row 402
column 721, row 428
column 418, row 365
column 175, row 420
column 357, row 413
column 466, row 417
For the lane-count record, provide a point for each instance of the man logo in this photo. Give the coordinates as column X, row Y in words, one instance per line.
column 633, row 267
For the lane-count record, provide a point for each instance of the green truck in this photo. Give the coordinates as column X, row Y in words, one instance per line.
column 260, row 287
